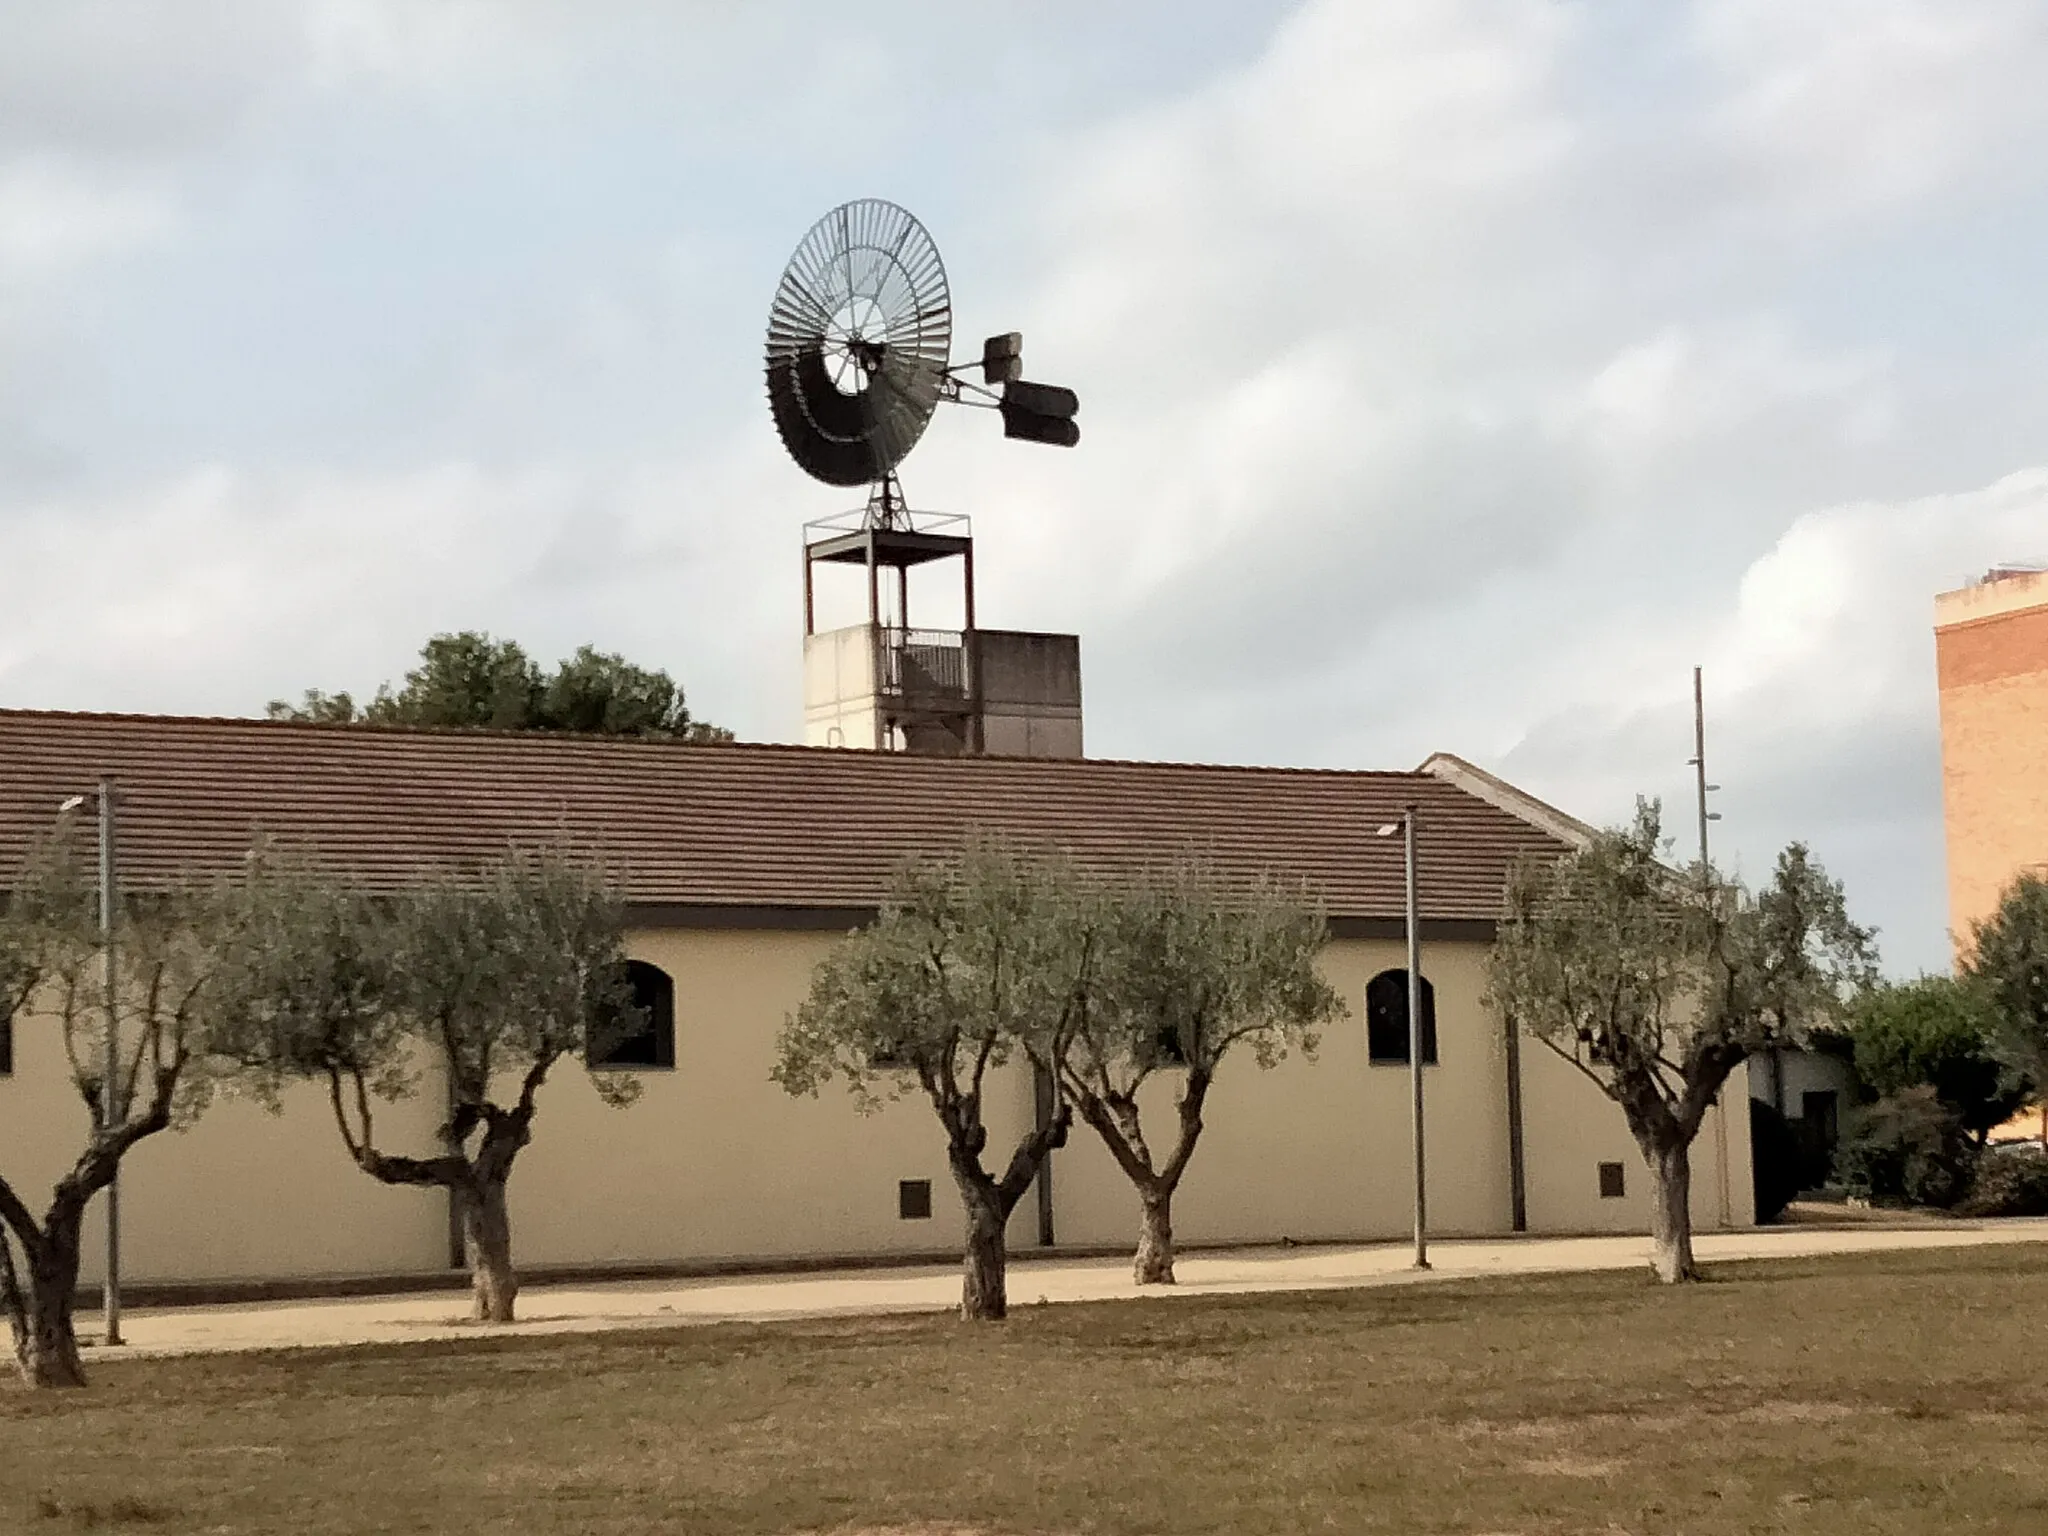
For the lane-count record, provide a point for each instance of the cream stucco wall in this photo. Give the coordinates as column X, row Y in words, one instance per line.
column 1319, row 1149
column 716, row 1162
column 1570, row 1129
column 839, row 688
column 239, row 1193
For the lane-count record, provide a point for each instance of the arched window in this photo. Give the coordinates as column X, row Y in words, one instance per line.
column 1386, row 1020
column 652, row 1043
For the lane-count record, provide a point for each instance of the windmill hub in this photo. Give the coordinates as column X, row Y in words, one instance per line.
column 852, row 355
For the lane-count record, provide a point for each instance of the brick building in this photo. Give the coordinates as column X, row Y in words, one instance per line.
column 1991, row 656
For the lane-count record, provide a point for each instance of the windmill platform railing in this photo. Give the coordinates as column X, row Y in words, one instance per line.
column 861, row 520
column 923, row 666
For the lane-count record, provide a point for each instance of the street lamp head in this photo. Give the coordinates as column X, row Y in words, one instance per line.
column 1388, row 830
column 71, row 804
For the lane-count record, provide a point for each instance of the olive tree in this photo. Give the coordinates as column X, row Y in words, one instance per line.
column 971, row 964
column 53, row 960
column 1656, row 984
column 495, row 975
column 1189, row 968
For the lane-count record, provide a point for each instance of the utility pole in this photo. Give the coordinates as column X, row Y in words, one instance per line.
column 1699, row 764
column 112, row 1110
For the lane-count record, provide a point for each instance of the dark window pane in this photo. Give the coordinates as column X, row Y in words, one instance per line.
column 1613, row 1181
column 1386, row 1020
column 651, row 1040
column 914, row 1199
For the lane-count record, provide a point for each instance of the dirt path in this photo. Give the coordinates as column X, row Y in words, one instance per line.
column 664, row 1303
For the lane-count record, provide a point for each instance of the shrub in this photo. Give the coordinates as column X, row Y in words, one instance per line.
column 1776, row 1160
column 2010, row 1181
column 1936, row 1031
column 1909, row 1148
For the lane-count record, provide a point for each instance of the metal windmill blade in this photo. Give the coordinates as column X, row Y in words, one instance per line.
column 858, row 339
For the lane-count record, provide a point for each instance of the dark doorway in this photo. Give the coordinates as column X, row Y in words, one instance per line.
column 1819, row 1128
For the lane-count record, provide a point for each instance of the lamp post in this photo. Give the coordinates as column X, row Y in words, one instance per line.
column 110, row 1107
column 1406, row 826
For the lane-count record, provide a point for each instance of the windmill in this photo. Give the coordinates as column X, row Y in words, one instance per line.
column 859, row 352
column 859, row 338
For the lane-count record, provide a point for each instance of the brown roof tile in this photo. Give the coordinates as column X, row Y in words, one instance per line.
column 728, row 826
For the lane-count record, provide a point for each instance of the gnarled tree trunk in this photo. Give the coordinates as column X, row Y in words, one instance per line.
column 984, row 1284
column 47, row 1347
column 487, row 1231
column 984, row 1277
column 1671, row 1214
column 1113, row 1111
column 1154, row 1264
column 477, row 1184
column 39, row 1314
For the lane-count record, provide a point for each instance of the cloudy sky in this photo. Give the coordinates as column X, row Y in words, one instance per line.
column 1457, row 374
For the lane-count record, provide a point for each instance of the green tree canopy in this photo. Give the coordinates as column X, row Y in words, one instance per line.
column 1936, row 1032
column 470, row 679
column 2008, row 967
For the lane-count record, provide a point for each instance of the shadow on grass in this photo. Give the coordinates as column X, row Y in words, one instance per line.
column 122, row 1510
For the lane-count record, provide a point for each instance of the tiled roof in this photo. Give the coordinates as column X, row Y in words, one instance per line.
column 728, row 826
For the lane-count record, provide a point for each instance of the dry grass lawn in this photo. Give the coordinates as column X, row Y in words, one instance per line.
column 1901, row 1393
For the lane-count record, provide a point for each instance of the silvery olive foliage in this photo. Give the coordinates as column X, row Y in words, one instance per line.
column 158, row 1000
column 1101, row 983
column 973, row 962
column 1656, row 983
column 486, row 978
column 1192, row 967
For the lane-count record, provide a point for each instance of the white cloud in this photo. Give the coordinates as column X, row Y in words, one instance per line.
column 1680, row 384
column 54, row 216
column 423, row 46
column 224, row 588
column 1368, row 145
column 1854, row 105
column 1836, row 621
